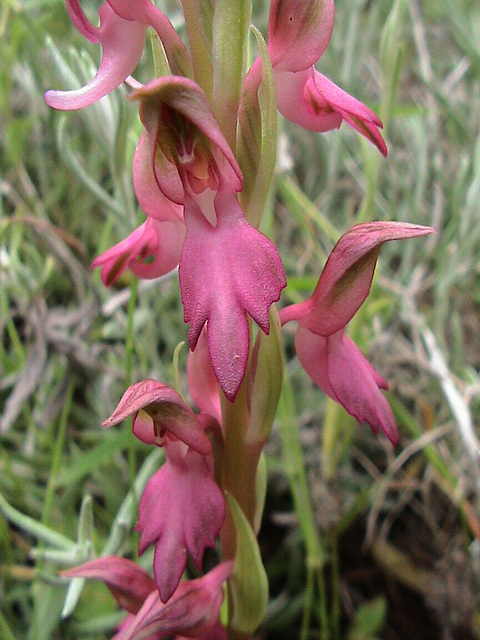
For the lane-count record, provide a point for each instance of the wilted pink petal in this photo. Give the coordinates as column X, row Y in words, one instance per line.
column 122, row 46
column 227, row 272
column 299, row 32
column 202, row 382
column 129, row 583
column 192, row 611
column 182, row 509
column 152, row 250
column 157, row 411
column 339, row 368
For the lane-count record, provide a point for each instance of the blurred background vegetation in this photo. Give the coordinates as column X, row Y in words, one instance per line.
column 393, row 548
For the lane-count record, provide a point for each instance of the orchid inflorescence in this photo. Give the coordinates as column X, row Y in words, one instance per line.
column 201, row 173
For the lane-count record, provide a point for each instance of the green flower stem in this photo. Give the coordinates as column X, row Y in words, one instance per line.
column 296, row 473
column 239, row 464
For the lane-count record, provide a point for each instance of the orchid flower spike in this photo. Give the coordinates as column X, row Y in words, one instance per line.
column 228, row 270
column 332, row 359
column 182, row 508
column 298, row 34
column 122, row 32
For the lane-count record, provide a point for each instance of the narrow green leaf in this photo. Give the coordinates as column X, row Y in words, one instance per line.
column 248, row 584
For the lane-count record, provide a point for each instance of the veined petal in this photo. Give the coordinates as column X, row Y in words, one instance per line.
column 122, row 46
column 129, row 583
column 347, row 276
column 168, row 413
column 299, row 32
column 227, row 272
column 182, row 509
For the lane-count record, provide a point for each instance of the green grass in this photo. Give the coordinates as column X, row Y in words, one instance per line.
column 69, row 346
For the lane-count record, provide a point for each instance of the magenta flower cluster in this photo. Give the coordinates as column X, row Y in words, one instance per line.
column 186, row 178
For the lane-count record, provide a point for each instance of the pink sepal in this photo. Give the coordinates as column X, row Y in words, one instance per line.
column 129, row 583
column 158, row 410
column 347, row 276
column 299, row 32
column 182, row 509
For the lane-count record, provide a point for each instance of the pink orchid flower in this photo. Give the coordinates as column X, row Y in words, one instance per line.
column 298, row 34
column 228, row 270
column 122, row 32
column 192, row 611
column 332, row 359
column 182, row 508
column 152, row 250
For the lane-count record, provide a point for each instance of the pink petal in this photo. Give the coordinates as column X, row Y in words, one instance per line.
column 290, row 90
column 347, row 276
column 129, row 583
column 227, row 272
column 339, row 368
column 145, row 12
column 190, row 110
column 168, row 413
column 149, row 195
column 122, row 46
column 202, row 382
column 321, row 93
column 182, row 509
column 79, row 19
column 192, row 611
column 162, row 240
column 299, row 32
